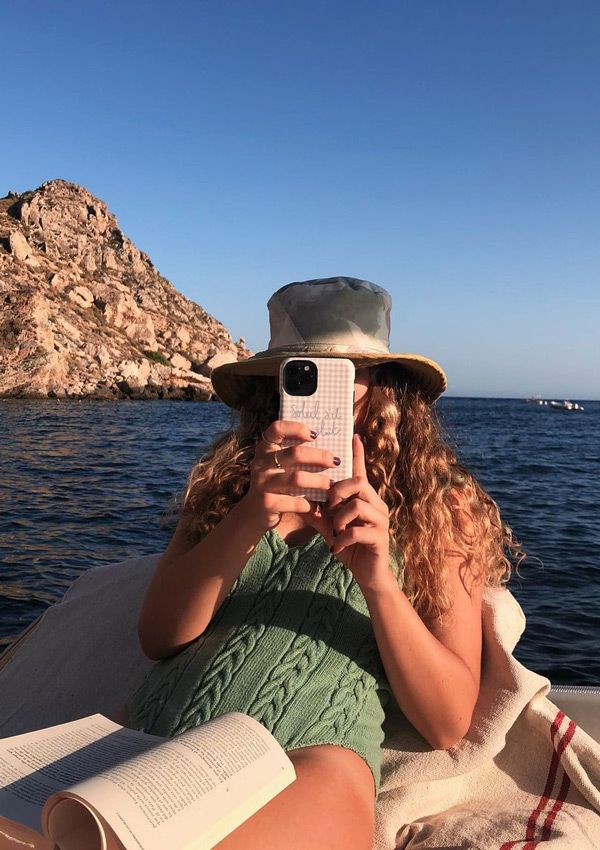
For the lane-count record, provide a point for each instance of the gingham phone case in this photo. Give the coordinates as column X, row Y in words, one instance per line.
column 329, row 411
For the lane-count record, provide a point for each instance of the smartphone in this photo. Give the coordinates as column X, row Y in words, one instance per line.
column 319, row 391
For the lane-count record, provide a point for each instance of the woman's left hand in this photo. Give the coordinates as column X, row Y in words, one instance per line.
column 355, row 523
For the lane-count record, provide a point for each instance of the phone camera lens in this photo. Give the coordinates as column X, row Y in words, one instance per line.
column 300, row 377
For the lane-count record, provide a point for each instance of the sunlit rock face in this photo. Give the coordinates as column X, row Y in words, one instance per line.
column 84, row 313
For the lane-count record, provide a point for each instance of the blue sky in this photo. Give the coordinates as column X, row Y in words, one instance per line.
column 448, row 151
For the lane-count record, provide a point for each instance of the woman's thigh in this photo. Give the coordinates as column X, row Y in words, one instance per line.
column 325, row 808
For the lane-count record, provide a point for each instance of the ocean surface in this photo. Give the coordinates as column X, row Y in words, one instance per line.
column 84, row 483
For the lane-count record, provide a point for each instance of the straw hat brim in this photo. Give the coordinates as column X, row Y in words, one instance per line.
column 231, row 387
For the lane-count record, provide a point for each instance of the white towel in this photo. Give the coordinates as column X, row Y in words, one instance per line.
column 525, row 772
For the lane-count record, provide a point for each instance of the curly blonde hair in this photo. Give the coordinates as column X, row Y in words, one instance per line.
column 434, row 502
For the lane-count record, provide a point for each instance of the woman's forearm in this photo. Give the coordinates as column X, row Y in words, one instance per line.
column 185, row 592
column 432, row 685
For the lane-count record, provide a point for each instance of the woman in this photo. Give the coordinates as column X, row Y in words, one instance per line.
column 311, row 617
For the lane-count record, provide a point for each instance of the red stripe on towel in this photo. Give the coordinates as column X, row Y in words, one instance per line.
column 566, row 738
column 550, row 780
column 562, row 794
column 544, row 799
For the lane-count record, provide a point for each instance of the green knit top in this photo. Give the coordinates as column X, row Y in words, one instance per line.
column 291, row 645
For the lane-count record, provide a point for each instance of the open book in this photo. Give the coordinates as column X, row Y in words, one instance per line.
column 92, row 784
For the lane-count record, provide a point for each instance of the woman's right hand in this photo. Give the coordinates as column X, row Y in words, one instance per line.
column 268, row 496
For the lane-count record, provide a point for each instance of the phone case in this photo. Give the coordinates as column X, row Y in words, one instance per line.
column 329, row 411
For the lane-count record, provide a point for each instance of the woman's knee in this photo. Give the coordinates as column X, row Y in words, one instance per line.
column 342, row 801
column 319, row 809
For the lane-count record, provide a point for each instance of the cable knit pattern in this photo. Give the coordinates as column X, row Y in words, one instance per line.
column 348, row 697
column 159, row 694
column 305, row 653
column 219, row 675
column 292, row 645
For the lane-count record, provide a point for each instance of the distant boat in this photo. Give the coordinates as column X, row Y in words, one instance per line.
column 566, row 405
column 555, row 405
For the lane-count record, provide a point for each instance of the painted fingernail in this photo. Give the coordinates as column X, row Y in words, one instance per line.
column 313, row 434
column 337, row 461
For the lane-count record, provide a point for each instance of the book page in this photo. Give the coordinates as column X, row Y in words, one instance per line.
column 37, row 764
column 75, row 825
column 192, row 789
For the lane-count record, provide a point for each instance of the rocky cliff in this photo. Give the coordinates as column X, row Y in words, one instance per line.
column 84, row 313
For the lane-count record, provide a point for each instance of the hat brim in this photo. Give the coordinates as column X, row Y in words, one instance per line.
column 231, row 387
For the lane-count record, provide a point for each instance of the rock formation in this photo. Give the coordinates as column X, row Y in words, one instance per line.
column 85, row 314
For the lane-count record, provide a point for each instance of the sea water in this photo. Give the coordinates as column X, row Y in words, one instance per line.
column 84, row 483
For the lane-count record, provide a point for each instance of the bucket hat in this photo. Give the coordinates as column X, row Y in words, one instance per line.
column 327, row 317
